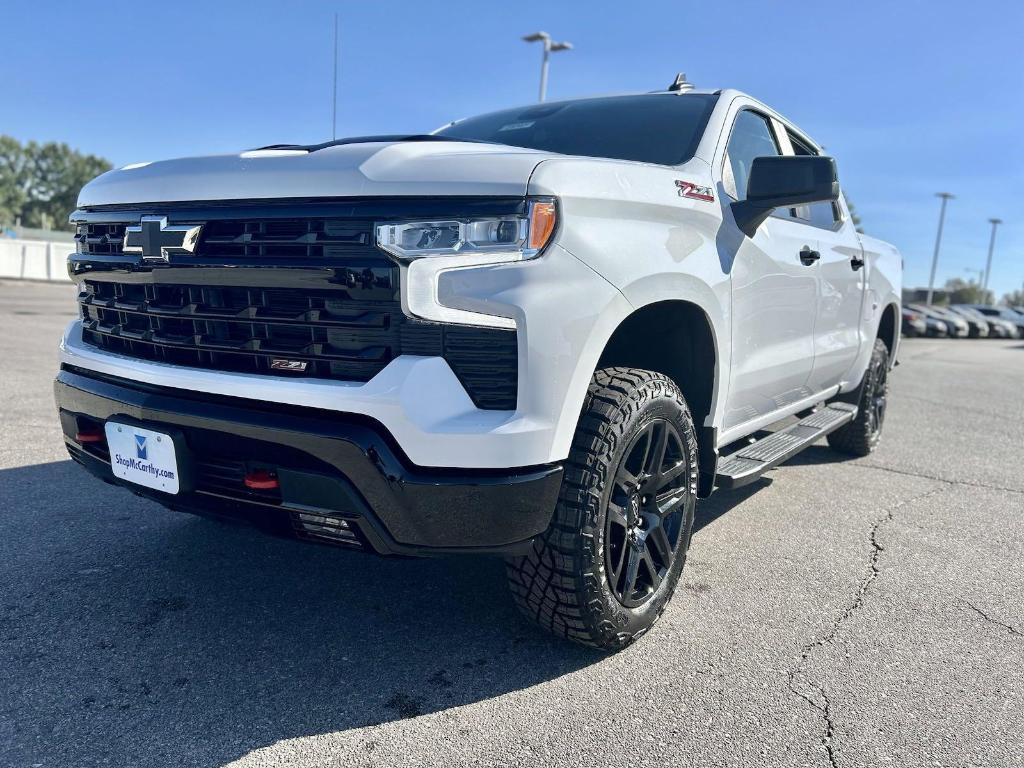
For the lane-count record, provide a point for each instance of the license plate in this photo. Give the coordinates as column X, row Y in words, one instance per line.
column 142, row 456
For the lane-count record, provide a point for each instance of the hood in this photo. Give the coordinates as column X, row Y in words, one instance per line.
column 367, row 169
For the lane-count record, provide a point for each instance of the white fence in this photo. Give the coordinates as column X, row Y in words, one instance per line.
column 34, row 259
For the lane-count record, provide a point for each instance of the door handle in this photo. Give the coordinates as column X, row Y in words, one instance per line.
column 856, row 263
column 808, row 257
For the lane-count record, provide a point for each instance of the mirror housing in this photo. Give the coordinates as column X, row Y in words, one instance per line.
column 784, row 182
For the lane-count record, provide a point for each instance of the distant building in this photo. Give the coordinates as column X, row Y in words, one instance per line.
column 920, row 296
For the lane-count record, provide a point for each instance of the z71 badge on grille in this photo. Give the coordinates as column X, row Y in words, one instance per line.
column 295, row 366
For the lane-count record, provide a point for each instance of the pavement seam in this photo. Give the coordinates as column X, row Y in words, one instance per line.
column 960, row 407
column 1008, row 627
column 908, row 473
column 825, row 705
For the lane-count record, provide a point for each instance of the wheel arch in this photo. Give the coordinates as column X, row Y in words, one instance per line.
column 676, row 338
column 889, row 327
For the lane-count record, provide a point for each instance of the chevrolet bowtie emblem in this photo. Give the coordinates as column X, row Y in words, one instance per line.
column 155, row 240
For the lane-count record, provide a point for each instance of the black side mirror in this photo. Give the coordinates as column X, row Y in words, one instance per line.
column 784, row 182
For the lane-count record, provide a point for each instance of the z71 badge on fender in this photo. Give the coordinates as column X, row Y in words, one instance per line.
column 695, row 191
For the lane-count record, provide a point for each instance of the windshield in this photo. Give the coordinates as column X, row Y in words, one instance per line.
column 662, row 129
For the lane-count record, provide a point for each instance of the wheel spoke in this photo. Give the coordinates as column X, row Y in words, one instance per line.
column 672, row 473
column 656, row 457
column 648, row 445
column 658, row 539
column 632, row 569
column 652, row 571
column 617, row 570
column 626, row 479
column 670, row 501
column 617, row 514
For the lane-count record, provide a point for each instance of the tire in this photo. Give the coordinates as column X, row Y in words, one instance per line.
column 860, row 437
column 622, row 514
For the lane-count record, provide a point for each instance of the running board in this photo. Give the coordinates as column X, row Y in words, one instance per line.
column 752, row 461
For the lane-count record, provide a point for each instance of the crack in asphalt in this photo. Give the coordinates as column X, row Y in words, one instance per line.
column 1008, row 627
column 909, row 473
column 824, row 705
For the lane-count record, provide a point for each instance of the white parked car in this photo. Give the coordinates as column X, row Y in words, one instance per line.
column 542, row 333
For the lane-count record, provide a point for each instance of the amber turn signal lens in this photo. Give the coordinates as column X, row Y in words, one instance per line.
column 543, row 216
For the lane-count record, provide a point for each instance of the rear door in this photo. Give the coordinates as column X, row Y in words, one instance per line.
column 842, row 279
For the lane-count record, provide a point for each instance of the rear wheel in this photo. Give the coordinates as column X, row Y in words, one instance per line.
column 605, row 569
column 861, row 436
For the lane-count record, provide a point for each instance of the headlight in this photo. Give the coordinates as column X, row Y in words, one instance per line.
column 517, row 237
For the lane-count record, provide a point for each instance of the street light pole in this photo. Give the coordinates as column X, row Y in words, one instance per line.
column 991, row 245
column 938, row 241
column 549, row 46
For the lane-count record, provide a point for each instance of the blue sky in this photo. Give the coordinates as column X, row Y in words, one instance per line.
column 911, row 97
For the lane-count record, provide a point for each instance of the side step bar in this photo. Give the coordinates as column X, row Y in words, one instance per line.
column 752, row 461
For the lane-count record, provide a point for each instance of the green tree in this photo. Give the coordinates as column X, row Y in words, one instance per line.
column 853, row 216
column 12, row 179
column 40, row 182
column 1014, row 298
column 960, row 291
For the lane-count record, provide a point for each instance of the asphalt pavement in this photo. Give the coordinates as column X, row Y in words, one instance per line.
column 838, row 613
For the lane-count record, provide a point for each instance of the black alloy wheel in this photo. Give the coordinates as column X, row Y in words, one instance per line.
column 646, row 513
column 876, row 399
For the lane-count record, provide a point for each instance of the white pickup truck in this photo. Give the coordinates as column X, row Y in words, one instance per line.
column 542, row 333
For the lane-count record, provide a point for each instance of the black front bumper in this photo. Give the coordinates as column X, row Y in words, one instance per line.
column 342, row 478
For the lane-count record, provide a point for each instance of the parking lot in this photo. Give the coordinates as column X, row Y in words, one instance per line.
column 839, row 612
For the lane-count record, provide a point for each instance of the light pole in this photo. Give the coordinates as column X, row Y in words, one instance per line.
column 991, row 245
column 938, row 241
column 549, row 46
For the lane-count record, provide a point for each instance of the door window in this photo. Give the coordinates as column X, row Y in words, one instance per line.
column 824, row 214
column 751, row 137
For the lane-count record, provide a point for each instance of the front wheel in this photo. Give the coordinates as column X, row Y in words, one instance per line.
column 605, row 569
column 860, row 437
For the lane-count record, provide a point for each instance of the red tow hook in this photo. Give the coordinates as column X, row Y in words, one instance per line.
column 89, row 436
column 261, row 480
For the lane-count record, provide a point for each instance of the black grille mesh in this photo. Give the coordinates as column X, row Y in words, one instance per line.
column 336, row 336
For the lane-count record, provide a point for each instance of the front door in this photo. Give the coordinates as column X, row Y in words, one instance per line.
column 774, row 292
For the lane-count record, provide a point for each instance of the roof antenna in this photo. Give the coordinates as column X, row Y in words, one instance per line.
column 680, row 85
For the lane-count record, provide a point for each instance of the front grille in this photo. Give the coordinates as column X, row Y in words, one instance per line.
column 286, row 296
column 100, row 239
column 298, row 238
column 231, row 328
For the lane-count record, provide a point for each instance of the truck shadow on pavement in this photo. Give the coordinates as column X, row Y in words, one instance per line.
column 149, row 637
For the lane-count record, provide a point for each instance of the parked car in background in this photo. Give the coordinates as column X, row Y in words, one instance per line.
column 977, row 324
column 956, row 326
column 1018, row 313
column 1009, row 319
column 937, row 329
column 914, row 323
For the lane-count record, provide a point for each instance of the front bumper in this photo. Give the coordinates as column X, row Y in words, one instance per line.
column 343, row 478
